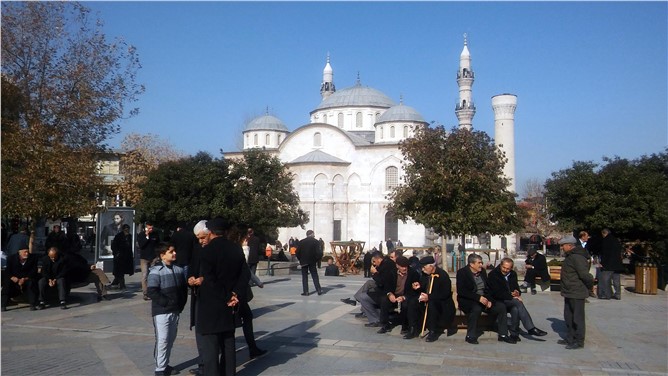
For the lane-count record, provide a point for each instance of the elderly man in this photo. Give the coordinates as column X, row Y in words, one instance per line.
column 502, row 282
column 384, row 277
column 611, row 266
column 575, row 285
column 436, row 289
column 54, row 272
column 406, row 296
column 474, row 297
column 20, row 276
column 536, row 266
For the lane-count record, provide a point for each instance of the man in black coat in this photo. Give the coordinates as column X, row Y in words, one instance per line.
column 405, row 295
column 441, row 308
column 308, row 253
column 367, row 264
column 536, row 266
column 147, row 242
column 503, row 286
column 384, row 275
column 124, row 261
column 224, row 277
column 473, row 297
column 19, row 276
column 611, row 266
column 183, row 241
column 53, row 275
column 57, row 238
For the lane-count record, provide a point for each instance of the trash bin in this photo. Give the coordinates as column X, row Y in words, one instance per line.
column 646, row 278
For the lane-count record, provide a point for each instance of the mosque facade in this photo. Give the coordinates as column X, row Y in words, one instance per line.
column 346, row 160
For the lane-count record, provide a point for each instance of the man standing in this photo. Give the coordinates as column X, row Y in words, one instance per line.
column 504, row 288
column 56, row 238
column 473, row 297
column 183, row 242
column 224, row 277
column 536, row 266
column 575, row 285
column 441, row 308
column 611, row 266
column 124, row 260
column 254, row 250
column 308, row 253
column 147, row 242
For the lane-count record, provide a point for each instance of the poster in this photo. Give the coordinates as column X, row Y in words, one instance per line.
column 109, row 224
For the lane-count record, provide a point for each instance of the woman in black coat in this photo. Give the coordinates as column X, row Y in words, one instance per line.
column 124, row 263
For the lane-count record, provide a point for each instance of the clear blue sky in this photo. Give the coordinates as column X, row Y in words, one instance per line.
column 591, row 78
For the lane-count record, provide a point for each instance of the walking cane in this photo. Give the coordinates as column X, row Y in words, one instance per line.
column 426, row 308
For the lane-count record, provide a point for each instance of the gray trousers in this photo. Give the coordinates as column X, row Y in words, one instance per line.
column 368, row 303
column 60, row 285
column 166, row 326
column 518, row 312
column 606, row 278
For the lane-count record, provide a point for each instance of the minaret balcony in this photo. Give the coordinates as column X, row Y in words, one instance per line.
column 466, row 106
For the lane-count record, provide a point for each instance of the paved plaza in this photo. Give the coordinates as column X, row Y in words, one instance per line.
column 319, row 335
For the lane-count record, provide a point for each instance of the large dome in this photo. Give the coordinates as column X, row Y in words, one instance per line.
column 266, row 122
column 356, row 96
column 400, row 113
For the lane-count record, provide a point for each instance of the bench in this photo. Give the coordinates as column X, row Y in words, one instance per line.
column 276, row 268
column 555, row 278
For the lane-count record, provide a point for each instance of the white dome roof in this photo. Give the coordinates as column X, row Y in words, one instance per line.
column 266, row 122
column 400, row 113
column 356, row 96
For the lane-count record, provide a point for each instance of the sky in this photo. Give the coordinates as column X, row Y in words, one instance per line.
column 591, row 78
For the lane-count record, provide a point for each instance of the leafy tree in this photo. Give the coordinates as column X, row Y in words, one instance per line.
column 538, row 219
column 628, row 197
column 256, row 190
column 454, row 184
column 141, row 155
column 65, row 86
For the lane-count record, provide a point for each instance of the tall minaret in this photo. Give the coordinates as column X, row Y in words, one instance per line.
column 327, row 87
column 465, row 109
column 504, row 106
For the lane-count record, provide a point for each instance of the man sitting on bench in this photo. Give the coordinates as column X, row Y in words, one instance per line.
column 20, row 276
column 536, row 266
column 473, row 297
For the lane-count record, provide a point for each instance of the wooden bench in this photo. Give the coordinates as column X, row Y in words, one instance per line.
column 555, row 278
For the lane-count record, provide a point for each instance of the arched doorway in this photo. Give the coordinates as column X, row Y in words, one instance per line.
column 391, row 226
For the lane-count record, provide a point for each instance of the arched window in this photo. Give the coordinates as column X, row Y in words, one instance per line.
column 405, row 131
column 391, row 178
column 255, row 139
column 377, row 116
column 382, row 131
column 267, row 139
column 247, row 139
column 392, row 131
column 358, row 120
column 279, row 139
column 340, row 119
column 317, row 139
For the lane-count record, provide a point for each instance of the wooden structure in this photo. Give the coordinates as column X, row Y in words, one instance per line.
column 346, row 254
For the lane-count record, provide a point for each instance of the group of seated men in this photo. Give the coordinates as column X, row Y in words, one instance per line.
column 399, row 294
column 28, row 273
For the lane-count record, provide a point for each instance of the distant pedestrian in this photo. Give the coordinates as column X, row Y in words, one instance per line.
column 308, row 252
column 168, row 291
column 147, row 242
column 124, row 262
column 611, row 267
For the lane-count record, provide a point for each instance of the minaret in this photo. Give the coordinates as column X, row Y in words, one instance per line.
column 465, row 109
column 504, row 106
column 327, row 87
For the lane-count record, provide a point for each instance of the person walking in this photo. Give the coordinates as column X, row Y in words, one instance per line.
column 308, row 253
column 575, row 285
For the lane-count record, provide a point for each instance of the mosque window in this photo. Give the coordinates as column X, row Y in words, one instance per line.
column 358, row 120
column 247, row 140
column 340, row 120
column 377, row 116
column 405, row 131
column 382, row 131
column 317, row 139
column 391, row 178
column 267, row 139
column 392, row 131
column 255, row 139
column 279, row 139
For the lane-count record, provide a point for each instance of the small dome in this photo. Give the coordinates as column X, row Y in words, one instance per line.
column 400, row 113
column 266, row 122
column 356, row 96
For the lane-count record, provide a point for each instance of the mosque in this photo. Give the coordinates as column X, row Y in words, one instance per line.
column 346, row 160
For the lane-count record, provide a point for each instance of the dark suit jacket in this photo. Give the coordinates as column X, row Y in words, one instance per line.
column 147, row 245
column 222, row 265
column 499, row 288
column 254, row 250
column 467, row 290
column 308, row 251
column 385, row 278
column 53, row 269
column 539, row 266
column 611, row 254
column 15, row 269
column 183, row 241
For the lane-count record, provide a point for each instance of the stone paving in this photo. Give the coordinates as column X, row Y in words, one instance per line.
column 319, row 335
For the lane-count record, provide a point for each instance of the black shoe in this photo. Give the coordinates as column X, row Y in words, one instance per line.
column 404, row 330
column 305, row 294
column 515, row 337
column 384, row 329
column 452, row 331
column 360, row 315
column 563, row 342
column 169, row 370
column 412, row 333
column 574, row 346
column 372, row 325
column 432, row 336
column 533, row 291
column 41, row 306
column 617, row 298
column 113, row 287
column 256, row 352
column 63, row 305
column 537, row 332
column 319, row 292
column 507, row 339
column 471, row 340
column 146, row 298
column 352, row 302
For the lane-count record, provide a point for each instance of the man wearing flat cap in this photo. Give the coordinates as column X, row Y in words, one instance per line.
column 575, row 285
column 441, row 308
